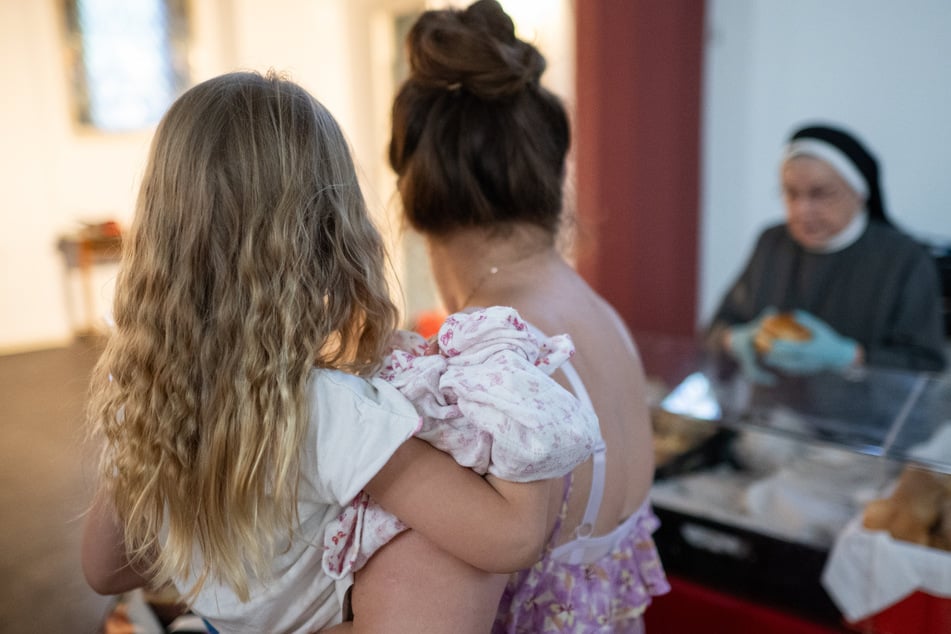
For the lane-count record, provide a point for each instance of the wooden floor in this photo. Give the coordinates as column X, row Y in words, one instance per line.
column 46, row 475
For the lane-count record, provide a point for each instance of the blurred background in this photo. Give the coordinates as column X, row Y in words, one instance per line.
column 86, row 80
column 681, row 109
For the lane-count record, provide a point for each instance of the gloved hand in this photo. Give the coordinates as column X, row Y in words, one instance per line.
column 741, row 347
column 827, row 350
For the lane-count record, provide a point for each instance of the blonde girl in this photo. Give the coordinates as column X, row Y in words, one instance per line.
column 231, row 399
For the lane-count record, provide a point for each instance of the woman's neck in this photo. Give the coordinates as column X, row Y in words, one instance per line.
column 478, row 267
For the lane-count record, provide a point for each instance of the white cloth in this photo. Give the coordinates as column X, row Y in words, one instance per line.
column 355, row 426
column 869, row 571
column 486, row 399
column 817, row 492
column 849, row 234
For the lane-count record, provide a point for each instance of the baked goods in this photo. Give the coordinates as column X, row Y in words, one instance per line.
column 674, row 435
column 918, row 510
column 779, row 326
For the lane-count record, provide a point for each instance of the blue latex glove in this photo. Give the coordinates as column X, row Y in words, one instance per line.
column 827, row 350
column 741, row 347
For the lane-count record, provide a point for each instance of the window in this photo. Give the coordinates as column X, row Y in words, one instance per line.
column 127, row 60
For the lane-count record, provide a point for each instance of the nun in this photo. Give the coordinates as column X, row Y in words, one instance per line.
column 868, row 293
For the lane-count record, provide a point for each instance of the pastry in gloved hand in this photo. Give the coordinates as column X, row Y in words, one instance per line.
column 740, row 341
column 779, row 326
column 826, row 350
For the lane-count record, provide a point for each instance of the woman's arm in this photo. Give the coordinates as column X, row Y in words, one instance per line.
column 104, row 558
column 412, row 586
column 494, row 525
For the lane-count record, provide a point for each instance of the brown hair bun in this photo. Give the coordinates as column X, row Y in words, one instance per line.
column 780, row 326
column 476, row 140
column 475, row 50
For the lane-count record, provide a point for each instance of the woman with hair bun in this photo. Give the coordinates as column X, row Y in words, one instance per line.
column 479, row 147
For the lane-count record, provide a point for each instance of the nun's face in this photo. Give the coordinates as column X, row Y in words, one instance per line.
column 819, row 203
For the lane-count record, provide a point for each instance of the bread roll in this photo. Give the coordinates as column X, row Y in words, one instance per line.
column 907, row 528
column 941, row 537
column 780, row 326
column 919, row 495
column 918, row 510
column 878, row 515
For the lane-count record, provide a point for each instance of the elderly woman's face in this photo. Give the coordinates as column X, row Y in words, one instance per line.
column 819, row 203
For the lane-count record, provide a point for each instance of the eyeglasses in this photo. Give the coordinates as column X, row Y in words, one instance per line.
column 823, row 195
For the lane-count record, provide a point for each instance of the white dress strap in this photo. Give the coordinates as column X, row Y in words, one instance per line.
column 595, row 495
column 576, row 385
column 575, row 550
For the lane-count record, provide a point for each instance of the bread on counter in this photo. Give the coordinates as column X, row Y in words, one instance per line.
column 918, row 510
column 675, row 435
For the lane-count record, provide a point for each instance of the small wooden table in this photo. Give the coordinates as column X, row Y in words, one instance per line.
column 82, row 252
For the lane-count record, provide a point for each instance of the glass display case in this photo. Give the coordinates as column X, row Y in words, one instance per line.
column 898, row 415
column 762, row 480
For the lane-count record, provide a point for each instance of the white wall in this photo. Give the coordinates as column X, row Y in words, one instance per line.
column 877, row 66
column 47, row 180
column 54, row 175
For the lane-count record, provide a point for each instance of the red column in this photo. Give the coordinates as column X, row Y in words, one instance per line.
column 637, row 138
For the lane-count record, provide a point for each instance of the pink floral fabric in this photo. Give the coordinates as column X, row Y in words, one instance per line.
column 484, row 394
column 607, row 596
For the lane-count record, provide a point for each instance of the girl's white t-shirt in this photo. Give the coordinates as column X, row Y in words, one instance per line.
column 355, row 427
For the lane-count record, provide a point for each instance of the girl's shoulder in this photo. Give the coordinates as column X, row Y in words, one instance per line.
column 328, row 388
column 355, row 426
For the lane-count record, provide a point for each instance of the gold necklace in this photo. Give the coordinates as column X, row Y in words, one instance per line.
column 495, row 269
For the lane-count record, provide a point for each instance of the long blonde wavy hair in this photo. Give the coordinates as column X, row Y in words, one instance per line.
column 251, row 260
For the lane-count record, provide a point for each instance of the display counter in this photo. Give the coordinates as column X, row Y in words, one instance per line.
column 756, row 485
